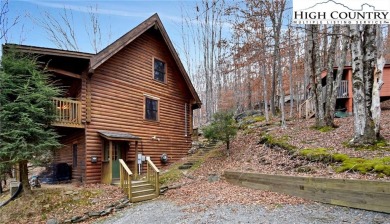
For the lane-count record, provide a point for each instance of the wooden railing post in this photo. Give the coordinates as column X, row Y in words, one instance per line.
column 125, row 177
column 157, row 184
column 154, row 180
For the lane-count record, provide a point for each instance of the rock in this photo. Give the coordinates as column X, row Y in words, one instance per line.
column 125, row 200
column 76, row 198
column 93, row 214
column 52, row 221
column 213, row 178
column 68, row 221
column 74, row 218
column 120, row 206
column 68, row 192
column 81, row 219
column 247, row 113
column 304, row 169
column 110, row 206
column 94, row 200
column 106, row 212
column 184, row 167
column 46, row 206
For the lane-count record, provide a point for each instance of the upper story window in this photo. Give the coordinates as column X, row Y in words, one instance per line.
column 159, row 70
column 151, row 109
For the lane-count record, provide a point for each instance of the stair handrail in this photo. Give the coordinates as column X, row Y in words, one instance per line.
column 309, row 108
column 152, row 175
column 125, row 177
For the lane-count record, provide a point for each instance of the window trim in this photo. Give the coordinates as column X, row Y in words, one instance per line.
column 158, row 107
column 165, row 70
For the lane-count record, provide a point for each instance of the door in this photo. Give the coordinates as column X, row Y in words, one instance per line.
column 116, row 155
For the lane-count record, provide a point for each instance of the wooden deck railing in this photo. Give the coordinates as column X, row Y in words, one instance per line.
column 342, row 91
column 153, row 175
column 68, row 112
column 125, row 177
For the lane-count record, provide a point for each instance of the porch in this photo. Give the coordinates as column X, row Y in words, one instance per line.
column 119, row 150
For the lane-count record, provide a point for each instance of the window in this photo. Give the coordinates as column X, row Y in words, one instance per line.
column 159, row 70
column 151, row 109
column 74, row 155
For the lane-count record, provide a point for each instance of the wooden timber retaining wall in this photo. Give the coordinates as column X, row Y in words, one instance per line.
column 363, row 194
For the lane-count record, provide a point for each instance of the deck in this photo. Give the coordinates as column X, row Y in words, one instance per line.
column 68, row 113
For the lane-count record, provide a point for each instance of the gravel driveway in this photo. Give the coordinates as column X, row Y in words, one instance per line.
column 164, row 211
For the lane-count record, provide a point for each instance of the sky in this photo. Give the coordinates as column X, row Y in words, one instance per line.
column 116, row 18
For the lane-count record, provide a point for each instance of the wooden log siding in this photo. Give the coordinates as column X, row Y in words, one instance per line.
column 65, row 154
column 363, row 194
column 117, row 103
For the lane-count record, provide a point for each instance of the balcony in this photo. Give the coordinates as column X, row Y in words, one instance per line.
column 68, row 113
column 342, row 91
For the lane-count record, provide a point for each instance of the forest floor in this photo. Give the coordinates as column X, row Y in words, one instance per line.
column 204, row 187
column 249, row 155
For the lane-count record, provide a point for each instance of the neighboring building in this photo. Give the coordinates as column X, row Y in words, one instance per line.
column 132, row 97
column 344, row 100
column 344, row 93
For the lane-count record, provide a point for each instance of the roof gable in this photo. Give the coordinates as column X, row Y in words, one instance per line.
column 133, row 34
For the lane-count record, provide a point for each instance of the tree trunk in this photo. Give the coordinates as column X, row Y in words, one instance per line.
column 306, row 78
column 1, row 185
column 265, row 97
column 314, row 69
column 326, row 56
column 23, row 169
column 228, row 148
column 329, row 76
column 363, row 55
column 290, row 67
column 340, row 70
column 380, row 63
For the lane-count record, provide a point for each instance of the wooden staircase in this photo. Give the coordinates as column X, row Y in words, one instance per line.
column 308, row 107
column 139, row 190
column 142, row 191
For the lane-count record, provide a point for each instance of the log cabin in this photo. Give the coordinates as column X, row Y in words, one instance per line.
column 132, row 100
column 344, row 101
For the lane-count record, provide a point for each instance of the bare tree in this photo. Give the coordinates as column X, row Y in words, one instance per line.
column 331, row 105
column 378, row 81
column 329, row 76
column 5, row 23
column 61, row 31
column 275, row 11
column 94, row 34
column 363, row 45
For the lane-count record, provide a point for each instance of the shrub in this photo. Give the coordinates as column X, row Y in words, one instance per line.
column 223, row 128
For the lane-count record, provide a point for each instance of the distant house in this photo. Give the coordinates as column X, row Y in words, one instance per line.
column 133, row 97
column 344, row 100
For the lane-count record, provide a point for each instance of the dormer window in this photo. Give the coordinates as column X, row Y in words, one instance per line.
column 159, row 70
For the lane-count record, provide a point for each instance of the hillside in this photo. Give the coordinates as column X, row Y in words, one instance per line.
column 248, row 153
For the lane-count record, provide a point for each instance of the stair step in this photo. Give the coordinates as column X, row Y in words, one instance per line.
column 184, row 167
column 142, row 187
column 137, row 193
column 138, row 182
column 143, row 197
